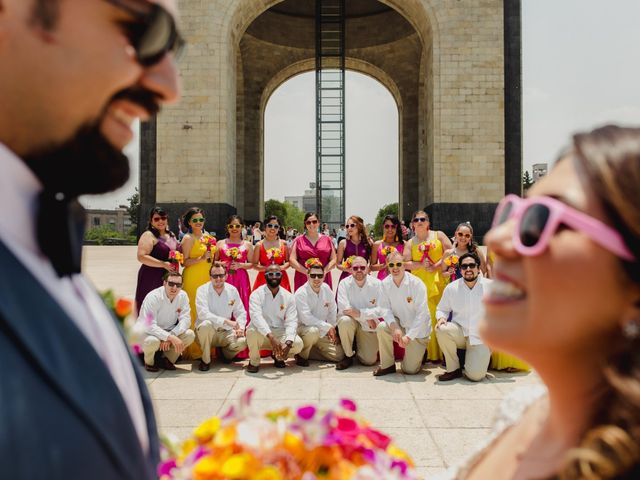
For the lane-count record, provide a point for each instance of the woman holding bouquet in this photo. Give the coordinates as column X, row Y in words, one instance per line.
column 154, row 248
column 198, row 248
column 357, row 244
column 423, row 256
column 237, row 254
column 311, row 245
column 271, row 250
column 391, row 242
column 463, row 243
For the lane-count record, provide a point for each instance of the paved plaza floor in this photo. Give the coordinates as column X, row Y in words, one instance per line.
column 438, row 424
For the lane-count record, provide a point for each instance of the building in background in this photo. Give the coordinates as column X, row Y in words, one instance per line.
column 118, row 219
column 306, row 202
column 539, row 171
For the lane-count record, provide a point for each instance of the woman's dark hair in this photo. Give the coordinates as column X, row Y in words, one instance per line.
column 396, row 221
column 608, row 159
column 311, row 214
column 186, row 218
column 160, row 211
column 472, row 247
column 362, row 231
column 230, row 219
column 271, row 218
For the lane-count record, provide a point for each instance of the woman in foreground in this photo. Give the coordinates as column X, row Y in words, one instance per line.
column 566, row 298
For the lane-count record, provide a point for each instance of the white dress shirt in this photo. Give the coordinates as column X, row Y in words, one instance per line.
column 218, row 307
column 367, row 299
column 316, row 309
column 164, row 317
column 268, row 312
column 408, row 303
column 466, row 305
column 19, row 190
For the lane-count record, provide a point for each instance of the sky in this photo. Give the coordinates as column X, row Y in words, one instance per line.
column 579, row 70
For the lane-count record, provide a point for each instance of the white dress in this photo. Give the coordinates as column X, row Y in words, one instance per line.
column 510, row 411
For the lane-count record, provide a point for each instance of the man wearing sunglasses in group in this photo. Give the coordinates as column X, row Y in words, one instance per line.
column 317, row 319
column 410, row 323
column 274, row 321
column 75, row 75
column 166, row 313
column 360, row 299
column 221, row 317
column 462, row 299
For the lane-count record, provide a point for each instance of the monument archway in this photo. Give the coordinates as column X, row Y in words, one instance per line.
column 455, row 69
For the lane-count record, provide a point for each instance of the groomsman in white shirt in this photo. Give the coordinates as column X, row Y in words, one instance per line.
column 221, row 317
column 317, row 320
column 359, row 311
column 274, row 321
column 410, row 324
column 165, row 312
column 463, row 299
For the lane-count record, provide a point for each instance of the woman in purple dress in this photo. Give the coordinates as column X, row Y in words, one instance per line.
column 311, row 245
column 357, row 244
column 154, row 247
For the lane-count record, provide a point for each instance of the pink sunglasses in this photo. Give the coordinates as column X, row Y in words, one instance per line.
column 538, row 218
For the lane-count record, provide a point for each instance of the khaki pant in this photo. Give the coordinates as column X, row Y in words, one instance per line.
column 450, row 338
column 317, row 347
column 367, row 342
column 209, row 336
column 256, row 342
column 151, row 345
column 413, row 353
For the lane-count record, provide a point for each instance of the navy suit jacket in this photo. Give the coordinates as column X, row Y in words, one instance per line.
column 61, row 413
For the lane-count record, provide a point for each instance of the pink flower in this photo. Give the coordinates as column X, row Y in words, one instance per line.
column 307, row 412
column 347, row 404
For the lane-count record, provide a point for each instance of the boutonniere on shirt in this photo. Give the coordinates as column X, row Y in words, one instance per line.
column 373, row 301
column 282, row 307
column 179, row 311
column 232, row 303
column 326, row 304
column 409, row 299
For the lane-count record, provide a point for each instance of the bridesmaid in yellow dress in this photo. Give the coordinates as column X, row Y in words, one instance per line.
column 499, row 360
column 423, row 256
column 196, row 267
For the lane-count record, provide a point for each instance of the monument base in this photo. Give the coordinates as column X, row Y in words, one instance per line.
column 447, row 216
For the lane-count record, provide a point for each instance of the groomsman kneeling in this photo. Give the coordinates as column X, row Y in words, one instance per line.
column 274, row 322
column 359, row 311
column 221, row 317
column 167, row 315
column 317, row 319
column 410, row 324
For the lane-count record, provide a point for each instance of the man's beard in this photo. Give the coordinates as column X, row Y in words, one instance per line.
column 88, row 163
column 274, row 282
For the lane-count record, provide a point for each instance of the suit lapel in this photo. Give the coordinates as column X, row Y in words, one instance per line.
column 71, row 365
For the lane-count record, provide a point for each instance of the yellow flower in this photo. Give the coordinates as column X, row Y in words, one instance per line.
column 239, row 466
column 206, row 430
column 225, row 437
column 268, row 473
column 206, row 469
column 187, row 447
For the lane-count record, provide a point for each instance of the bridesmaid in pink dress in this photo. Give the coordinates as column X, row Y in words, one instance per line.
column 311, row 245
column 356, row 244
column 238, row 266
column 391, row 239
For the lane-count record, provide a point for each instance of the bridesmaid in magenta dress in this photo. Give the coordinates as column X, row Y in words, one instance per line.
column 391, row 240
column 356, row 244
column 311, row 245
column 154, row 247
column 236, row 253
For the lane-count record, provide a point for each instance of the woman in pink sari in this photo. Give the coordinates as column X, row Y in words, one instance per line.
column 311, row 245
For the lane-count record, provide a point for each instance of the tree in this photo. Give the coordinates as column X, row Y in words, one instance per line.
column 288, row 213
column 527, row 181
column 390, row 209
column 277, row 208
column 133, row 210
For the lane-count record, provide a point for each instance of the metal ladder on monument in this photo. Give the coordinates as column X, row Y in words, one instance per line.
column 330, row 113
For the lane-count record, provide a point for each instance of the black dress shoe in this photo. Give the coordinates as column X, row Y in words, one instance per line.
column 253, row 368
column 279, row 363
column 203, row 366
column 345, row 363
column 166, row 364
column 151, row 368
column 378, row 372
column 445, row 377
column 301, row 362
column 221, row 356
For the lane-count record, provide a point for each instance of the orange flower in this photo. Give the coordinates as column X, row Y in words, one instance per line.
column 123, row 307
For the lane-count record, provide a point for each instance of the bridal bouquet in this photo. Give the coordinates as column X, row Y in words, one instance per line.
column 210, row 242
column 176, row 259
column 424, row 248
column 346, row 264
column 274, row 253
column 388, row 250
column 313, row 262
column 306, row 443
column 452, row 261
column 233, row 253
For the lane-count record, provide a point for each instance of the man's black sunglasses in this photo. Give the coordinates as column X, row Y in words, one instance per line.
column 153, row 33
